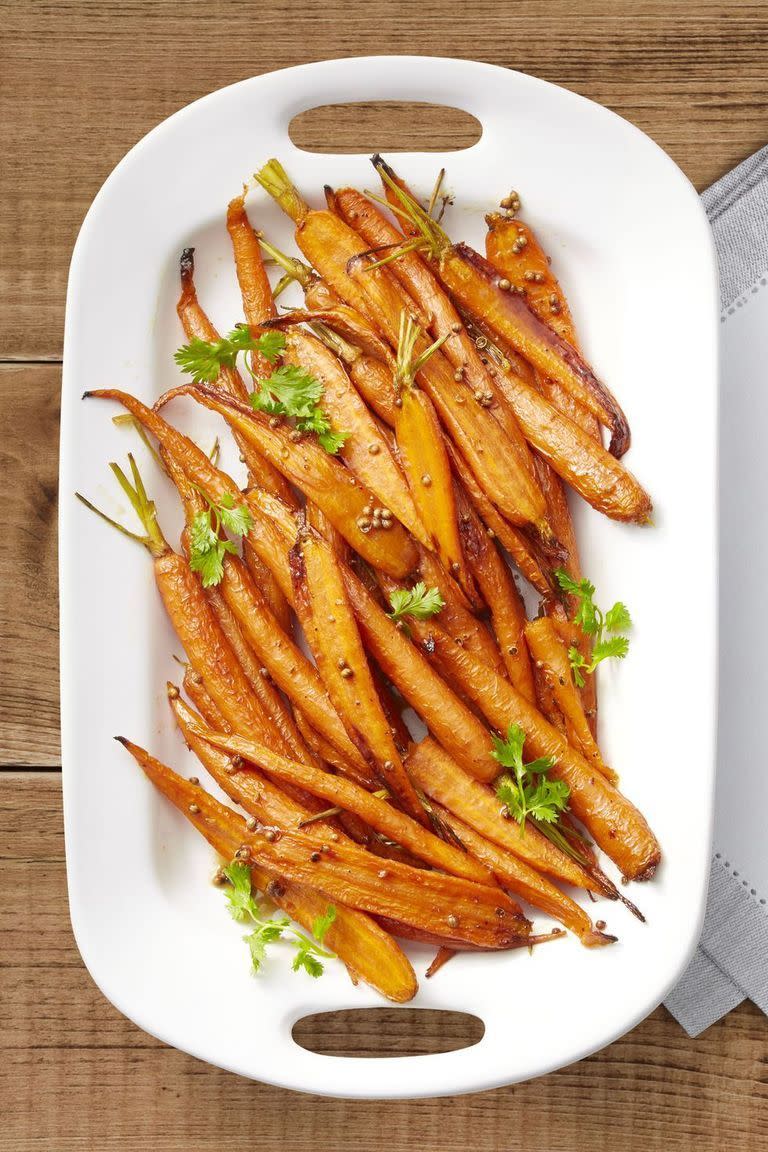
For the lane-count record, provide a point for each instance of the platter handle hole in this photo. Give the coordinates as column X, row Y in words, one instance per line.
column 384, row 126
column 383, row 1032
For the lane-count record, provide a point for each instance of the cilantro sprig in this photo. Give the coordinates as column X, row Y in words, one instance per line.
column 288, row 391
column 243, row 908
column 418, row 602
column 606, row 629
column 207, row 546
column 526, row 791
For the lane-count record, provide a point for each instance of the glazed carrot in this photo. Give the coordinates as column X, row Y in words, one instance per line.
column 344, row 794
column 582, row 462
column 613, row 822
column 271, row 535
column 419, row 280
column 441, row 710
column 319, row 476
column 255, row 290
column 317, row 519
column 479, row 290
column 500, row 593
column 329, row 244
column 196, row 325
column 366, row 451
column 477, row 805
column 455, row 616
column 195, row 690
column 355, row 938
column 551, row 656
column 519, row 547
column 425, row 460
column 527, row 883
column 325, row 614
column 514, row 250
column 285, row 662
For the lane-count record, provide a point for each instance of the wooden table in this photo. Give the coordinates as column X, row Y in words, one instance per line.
column 80, row 84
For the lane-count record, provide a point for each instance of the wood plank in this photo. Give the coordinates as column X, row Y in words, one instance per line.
column 84, row 83
column 75, row 1075
column 29, row 449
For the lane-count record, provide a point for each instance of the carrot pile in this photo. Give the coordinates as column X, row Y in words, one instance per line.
column 408, row 436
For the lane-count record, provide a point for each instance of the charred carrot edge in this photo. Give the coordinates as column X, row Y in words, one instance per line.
column 319, row 476
column 500, row 593
column 612, row 820
column 325, row 614
column 527, row 883
column 366, row 451
column 344, row 794
column 477, row 805
column 595, row 474
column 354, row 937
column 551, row 656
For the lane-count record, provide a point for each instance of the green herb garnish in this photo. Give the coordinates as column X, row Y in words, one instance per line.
column 527, row 792
column 418, row 602
column 244, row 908
column 207, row 547
column 604, row 628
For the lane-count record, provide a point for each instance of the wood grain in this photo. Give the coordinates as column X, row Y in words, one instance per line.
column 75, row 1075
column 81, row 83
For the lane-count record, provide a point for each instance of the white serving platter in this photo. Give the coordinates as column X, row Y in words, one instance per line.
column 632, row 247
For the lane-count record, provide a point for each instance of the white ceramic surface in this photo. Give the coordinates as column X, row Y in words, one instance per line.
column 626, row 232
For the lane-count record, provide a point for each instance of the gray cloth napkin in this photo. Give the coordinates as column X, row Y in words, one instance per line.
column 731, row 961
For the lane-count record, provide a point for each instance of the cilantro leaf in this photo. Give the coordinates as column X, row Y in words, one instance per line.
column 243, row 907
column 207, row 547
column 595, row 625
column 237, row 518
column 205, row 359
column 527, row 792
column 418, row 602
column 618, row 619
column 322, row 923
column 292, row 392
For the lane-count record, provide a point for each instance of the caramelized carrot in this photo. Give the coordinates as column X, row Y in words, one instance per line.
column 355, row 938
column 614, row 823
column 441, row 710
column 326, row 616
column 551, row 657
column 329, row 244
column 526, row 882
column 320, row 477
column 456, row 618
column 502, row 597
column 366, row 451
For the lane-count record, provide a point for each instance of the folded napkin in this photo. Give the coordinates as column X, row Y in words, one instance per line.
column 731, row 961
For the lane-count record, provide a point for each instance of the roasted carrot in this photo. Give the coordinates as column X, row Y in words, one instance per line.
column 285, row 662
column 366, row 451
column 330, row 244
column 320, row 477
column 255, row 290
column 526, row 882
column 344, row 794
column 456, row 618
column 612, row 820
column 551, row 657
column 441, row 710
column 195, row 690
column 519, row 547
column 514, row 250
column 355, row 938
column 326, row 616
column 196, row 325
column 425, row 459
column 479, row 290
column 500, row 593
column 446, row 782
